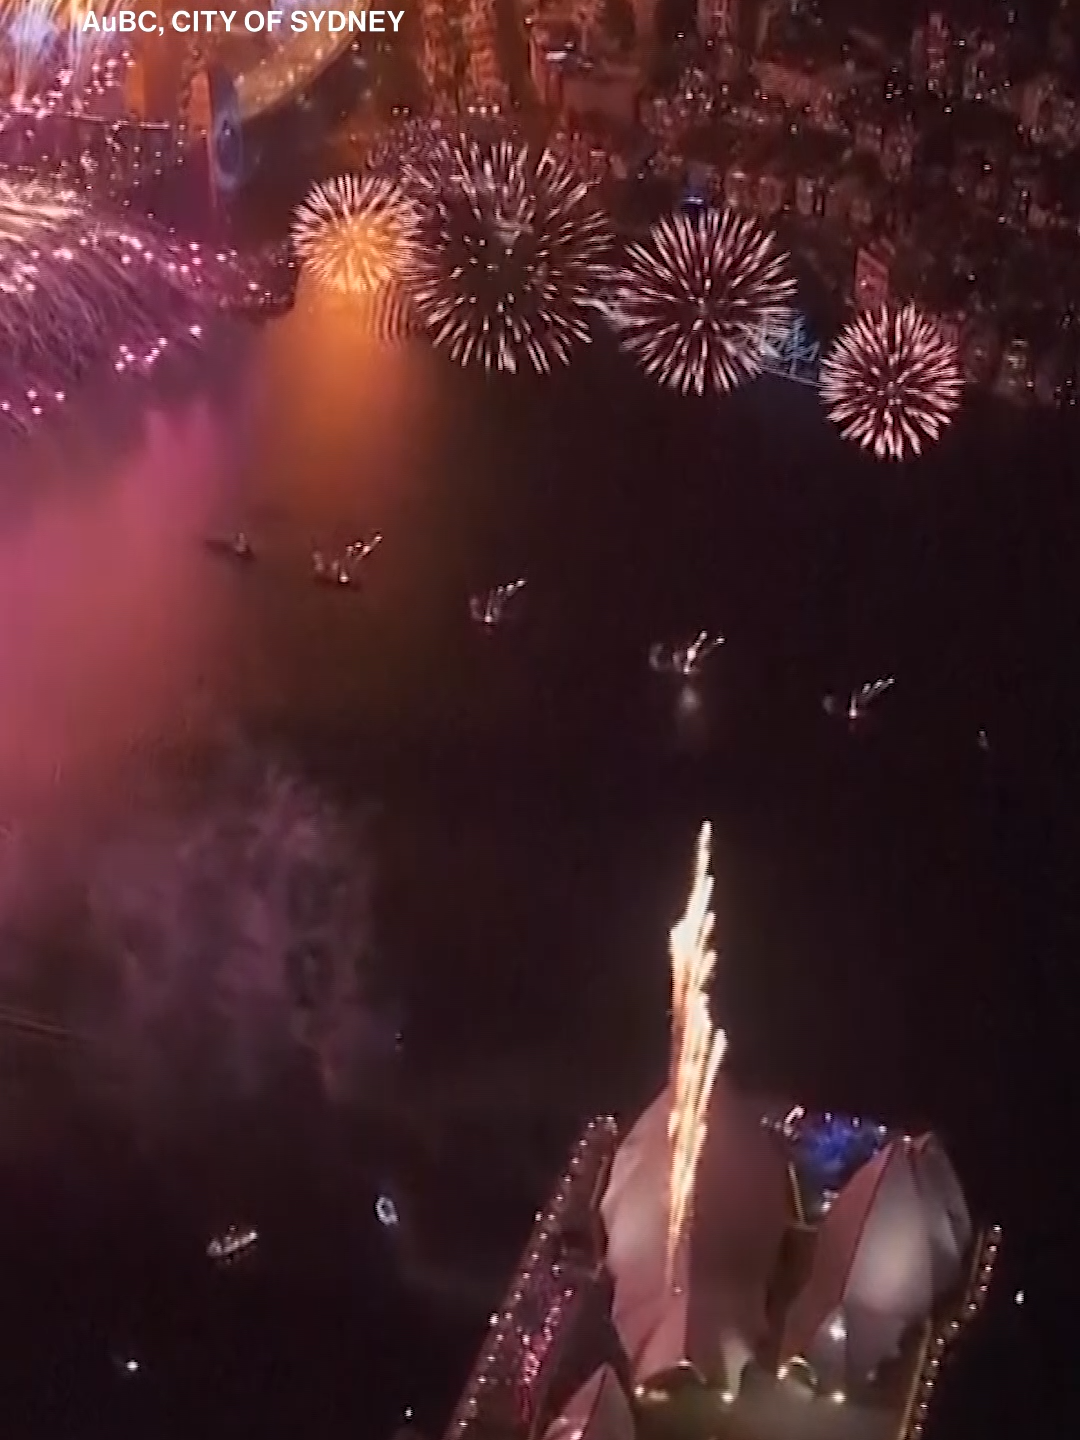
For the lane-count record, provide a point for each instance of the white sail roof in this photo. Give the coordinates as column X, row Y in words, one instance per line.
column 713, row 1314
column 886, row 1250
column 634, row 1210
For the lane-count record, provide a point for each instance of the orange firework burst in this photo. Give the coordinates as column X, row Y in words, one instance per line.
column 892, row 382
column 697, row 1046
column 353, row 235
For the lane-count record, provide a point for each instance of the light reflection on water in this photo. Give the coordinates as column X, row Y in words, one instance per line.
column 126, row 636
column 122, row 629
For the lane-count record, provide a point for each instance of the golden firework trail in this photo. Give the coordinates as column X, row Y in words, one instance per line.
column 697, row 1046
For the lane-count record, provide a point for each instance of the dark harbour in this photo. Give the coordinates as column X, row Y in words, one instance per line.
column 523, row 806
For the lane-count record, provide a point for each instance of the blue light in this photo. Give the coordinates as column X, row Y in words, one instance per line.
column 830, row 1148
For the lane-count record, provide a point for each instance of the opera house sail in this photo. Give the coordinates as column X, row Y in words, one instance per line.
column 758, row 1271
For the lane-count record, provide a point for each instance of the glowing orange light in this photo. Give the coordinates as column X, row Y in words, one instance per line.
column 697, row 1046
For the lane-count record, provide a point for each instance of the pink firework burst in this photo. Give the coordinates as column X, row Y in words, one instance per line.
column 892, row 382
column 701, row 303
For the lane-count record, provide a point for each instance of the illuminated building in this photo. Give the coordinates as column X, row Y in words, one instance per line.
column 557, row 1269
column 772, row 192
column 805, row 1271
column 486, row 87
column 917, row 58
column 599, row 1410
column 769, row 13
column 804, row 84
column 809, row 196
column 1036, row 105
column 898, row 152
column 950, row 326
column 830, row 1262
column 874, row 266
column 893, row 1241
column 866, row 207
column 715, row 1308
column 738, row 188
column 610, row 89
column 438, row 53
column 869, row 137
column 1062, row 37
column 983, row 71
column 1015, row 379
column 645, row 20
column 718, row 19
column 550, row 51
column 938, row 55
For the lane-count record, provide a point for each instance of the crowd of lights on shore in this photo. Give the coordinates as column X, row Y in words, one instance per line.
column 697, row 1046
column 500, row 1356
column 892, row 382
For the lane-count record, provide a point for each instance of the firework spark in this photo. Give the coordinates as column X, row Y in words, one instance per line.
column 353, row 234
column 892, row 382
column 45, row 42
column 511, row 253
column 697, row 1046
column 81, row 288
column 414, row 142
column 702, row 300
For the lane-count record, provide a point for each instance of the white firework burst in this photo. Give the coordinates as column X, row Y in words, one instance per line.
column 892, row 382
column 701, row 303
column 512, row 252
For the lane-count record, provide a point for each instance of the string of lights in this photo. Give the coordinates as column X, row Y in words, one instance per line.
column 939, row 1340
column 587, row 1157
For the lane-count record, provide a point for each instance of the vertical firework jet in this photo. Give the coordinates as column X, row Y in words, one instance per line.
column 697, row 1046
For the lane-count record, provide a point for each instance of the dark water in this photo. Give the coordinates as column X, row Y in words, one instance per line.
column 892, row 909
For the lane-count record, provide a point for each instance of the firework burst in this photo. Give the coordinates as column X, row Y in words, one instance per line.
column 353, row 235
column 82, row 289
column 892, row 382
column 512, row 250
column 411, row 142
column 702, row 300
column 47, row 48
